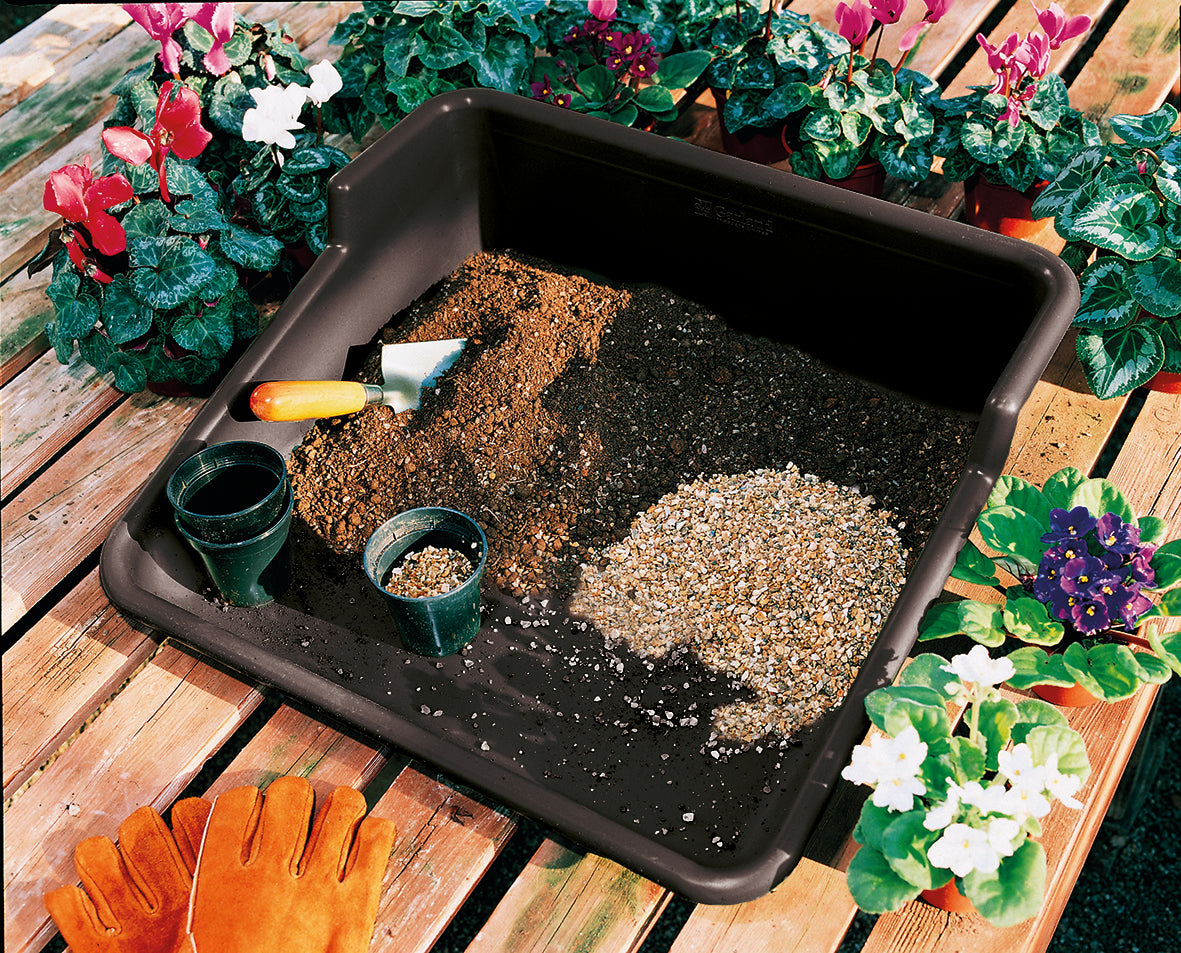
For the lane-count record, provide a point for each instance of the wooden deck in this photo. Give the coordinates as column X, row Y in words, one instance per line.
column 101, row 717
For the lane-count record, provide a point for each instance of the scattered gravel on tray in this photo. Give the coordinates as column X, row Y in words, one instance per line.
column 430, row 571
column 777, row 578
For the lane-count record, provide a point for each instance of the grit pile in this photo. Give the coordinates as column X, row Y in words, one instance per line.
column 581, row 411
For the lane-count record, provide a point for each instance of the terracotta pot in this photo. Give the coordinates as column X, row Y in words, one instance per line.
column 1000, row 208
column 869, row 178
column 1166, row 382
column 1065, row 696
column 755, row 145
column 949, row 898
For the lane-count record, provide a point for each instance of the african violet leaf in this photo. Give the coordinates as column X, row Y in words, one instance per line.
column 680, row 70
column 971, row 565
column 1014, row 892
column 1156, row 285
column 1166, row 565
column 891, row 708
column 1027, row 619
column 1153, row 671
column 167, row 271
column 1020, row 494
column 1167, row 646
column 981, row 621
column 967, row 762
column 1113, row 669
column 656, row 100
column 1013, row 533
column 1153, row 529
column 1106, row 300
column 905, row 843
column 1147, row 131
column 1101, row 496
column 927, row 670
column 1034, row 666
column 874, row 885
column 1059, row 487
column 996, row 719
column 1032, row 712
column 1117, row 362
column 1122, row 219
column 872, row 823
column 1066, row 743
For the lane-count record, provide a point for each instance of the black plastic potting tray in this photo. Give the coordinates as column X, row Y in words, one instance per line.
column 543, row 718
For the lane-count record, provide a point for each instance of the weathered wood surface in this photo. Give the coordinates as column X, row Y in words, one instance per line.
column 77, row 469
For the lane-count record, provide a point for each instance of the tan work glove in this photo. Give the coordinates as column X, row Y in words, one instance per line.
column 135, row 897
column 263, row 885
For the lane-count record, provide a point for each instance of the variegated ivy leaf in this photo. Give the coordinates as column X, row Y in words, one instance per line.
column 1122, row 219
column 1156, row 285
column 1117, row 362
column 990, row 141
column 1107, row 301
column 1147, row 131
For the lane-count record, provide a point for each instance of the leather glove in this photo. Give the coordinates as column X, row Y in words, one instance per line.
column 263, row 885
column 135, row 897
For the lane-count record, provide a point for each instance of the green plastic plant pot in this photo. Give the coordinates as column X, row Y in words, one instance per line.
column 229, row 492
column 430, row 625
column 249, row 572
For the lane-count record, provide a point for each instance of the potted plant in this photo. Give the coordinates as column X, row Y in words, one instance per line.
column 1118, row 205
column 832, row 107
column 1081, row 567
column 156, row 257
column 399, row 54
column 955, row 815
column 612, row 69
column 1005, row 141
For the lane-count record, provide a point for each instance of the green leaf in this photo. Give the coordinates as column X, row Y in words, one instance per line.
column 967, row 759
column 990, row 141
column 1147, row 131
column 597, row 83
column 896, row 707
column 1029, row 620
column 125, row 317
column 1059, row 487
column 1033, row 666
column 971, row 565
column 1107, row 302
column 1152, row 529
column 1014, row 892
column 1108, row 671
column 981, row 621
column 1167, row 646
column 1118, row 361
column 872, row 823
column 65, row 285
column 1066, row 743
column 250, row 249
column 1032, row 712
column 168, row 271
column 1156, row 285
column 905, row 843
column 927, row 670
column 1122, row 219
column 680, row 70
column 208, row 331
column 856, row 127
column 874, row 885
column 996, row 720
column 1014, row 533
column 1022, row 495
column 1101, row 496
column 655, row 99
column 1153, row 670
column 1166, row 564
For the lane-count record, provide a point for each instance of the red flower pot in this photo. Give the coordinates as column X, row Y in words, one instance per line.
column 1166, row 382
column 1000, row 208
column 869, row 178
column 755, row 145
column 1065, row 696
column 949, row 898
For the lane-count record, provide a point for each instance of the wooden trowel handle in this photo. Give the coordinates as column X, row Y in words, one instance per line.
column 305, row 400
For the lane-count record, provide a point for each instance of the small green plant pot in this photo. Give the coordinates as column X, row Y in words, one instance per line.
column 229, row 492
column 430, row 625
column 248, row 572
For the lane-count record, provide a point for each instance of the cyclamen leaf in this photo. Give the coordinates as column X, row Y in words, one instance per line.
column 146, row 220
column 754, row 72
column 1117, row 362
column 1107, row 301
column 1170, row 335
column 1122, row 219
column 168, row 271
column 250, row 249
column 207, row 331
column 787, row 99
column 1156, row 285
column 1013, row 892
column 1147, row 131
column 129, row 372
column 125, row 317
column 990, row 141
column 1075, row 175
column 76, row 317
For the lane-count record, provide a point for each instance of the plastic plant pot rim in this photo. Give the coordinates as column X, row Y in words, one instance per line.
column 456, row 216
column 377, row 548
column 280, row 525
column 177, row 488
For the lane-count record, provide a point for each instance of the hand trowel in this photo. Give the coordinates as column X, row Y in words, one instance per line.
column 405, row 370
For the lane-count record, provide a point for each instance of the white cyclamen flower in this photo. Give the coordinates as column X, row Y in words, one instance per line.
column 963, row 849
column 979, row 667
column 891, row 765
column 274, row 116
column 326, row 83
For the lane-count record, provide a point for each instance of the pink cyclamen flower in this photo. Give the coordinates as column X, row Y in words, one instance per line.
column 217, row 19
column 1058, row 27
column 1033, row 53
column 161, row 20
column 177, row 129
column 935, row 12
column 603, row 9
column 854, row 22
column 887, row 11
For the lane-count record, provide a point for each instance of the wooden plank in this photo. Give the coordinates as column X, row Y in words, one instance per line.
column 24, row 312
column 808, row 913
column 446, row 842
column 144, row 748
column 60, row 671
column 565, row 900
column 43, row 410
column 63, row 515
